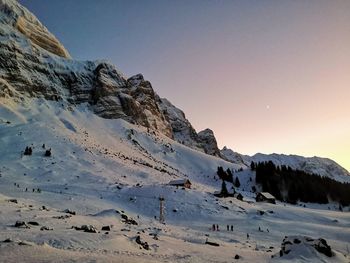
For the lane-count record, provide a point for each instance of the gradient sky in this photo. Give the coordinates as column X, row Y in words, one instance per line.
column 265, row 76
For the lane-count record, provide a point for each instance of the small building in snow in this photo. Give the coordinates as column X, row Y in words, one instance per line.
column 265, row 197
column 181, row 182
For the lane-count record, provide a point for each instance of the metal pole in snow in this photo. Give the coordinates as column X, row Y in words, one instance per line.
column 161, row 209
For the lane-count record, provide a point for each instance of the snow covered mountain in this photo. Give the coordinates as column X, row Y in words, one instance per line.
column 115, row 146
column 35, row 64
column 315, row 165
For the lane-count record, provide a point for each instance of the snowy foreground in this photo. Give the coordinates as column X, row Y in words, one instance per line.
column 107, row 170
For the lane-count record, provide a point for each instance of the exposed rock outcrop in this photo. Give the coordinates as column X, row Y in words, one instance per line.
column 184, row 133
column 296, row 246
column 182, row 129
column 41, row 37
column 208, row 142
column 27, row 24
column 33, row 63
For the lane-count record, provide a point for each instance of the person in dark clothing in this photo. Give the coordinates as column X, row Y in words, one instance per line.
column 228, row 228
column 231, row 227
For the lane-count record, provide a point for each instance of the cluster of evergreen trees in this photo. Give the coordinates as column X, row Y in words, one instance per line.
column 228, row 176
column 290, row 185
column 225, row 175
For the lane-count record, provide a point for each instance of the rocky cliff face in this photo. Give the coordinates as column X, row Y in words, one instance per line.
column 184, row 132
column 182, row 129
column 208, row 142
column 16, row 16
column 33, row 63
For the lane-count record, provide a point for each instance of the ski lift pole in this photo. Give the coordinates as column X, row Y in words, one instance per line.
column 161, row 209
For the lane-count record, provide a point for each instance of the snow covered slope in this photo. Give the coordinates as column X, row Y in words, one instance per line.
column 102, row 165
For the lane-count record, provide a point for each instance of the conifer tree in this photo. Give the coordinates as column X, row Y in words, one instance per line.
column 224, row 191
column 237, row 183
column 252, row 166
column 229, row 175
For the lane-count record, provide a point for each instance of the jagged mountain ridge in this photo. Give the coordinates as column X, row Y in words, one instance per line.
column 33, row 63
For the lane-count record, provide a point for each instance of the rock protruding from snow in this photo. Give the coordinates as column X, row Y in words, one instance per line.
column 21, row 224
column 86, row 228
column 305, row 247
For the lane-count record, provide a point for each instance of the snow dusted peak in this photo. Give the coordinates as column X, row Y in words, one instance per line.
column 316, row 165
column 313, row 165
column 206, row 132
column 108, row 79
column 234, row 157
column 136, row 80
column 21, row 20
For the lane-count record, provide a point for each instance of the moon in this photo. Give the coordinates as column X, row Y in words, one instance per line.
column 267, row 107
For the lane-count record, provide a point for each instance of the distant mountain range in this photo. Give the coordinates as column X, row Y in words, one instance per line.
column 314, row 165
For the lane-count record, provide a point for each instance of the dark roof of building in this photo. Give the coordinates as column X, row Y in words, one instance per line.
column 267, row 195
column 179, row 182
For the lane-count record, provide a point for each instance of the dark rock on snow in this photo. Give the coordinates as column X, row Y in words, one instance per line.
column 106, row 228
column 291, row 244
column 21, row 224
column 140, row 242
